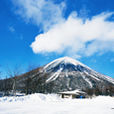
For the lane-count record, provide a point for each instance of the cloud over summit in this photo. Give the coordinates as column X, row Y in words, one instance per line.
column 95, row 35
column 77, row 38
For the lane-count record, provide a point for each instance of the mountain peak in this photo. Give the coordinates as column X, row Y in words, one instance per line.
column 68, row 67
column 68, row 60
column 71, row 61
column 65, row 61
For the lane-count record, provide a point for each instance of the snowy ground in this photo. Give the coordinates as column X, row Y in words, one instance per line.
column 51, row 104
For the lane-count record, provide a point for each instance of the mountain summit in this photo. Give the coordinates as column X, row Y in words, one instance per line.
column 74, row 73
column 65, row 63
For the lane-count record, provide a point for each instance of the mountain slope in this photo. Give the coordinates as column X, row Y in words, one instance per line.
column 68, row 66
column 64, row 74
column 68, row 74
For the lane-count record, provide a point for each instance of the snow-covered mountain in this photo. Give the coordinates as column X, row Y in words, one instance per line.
column 63, row 74
column 69, row 74
column 68, row 67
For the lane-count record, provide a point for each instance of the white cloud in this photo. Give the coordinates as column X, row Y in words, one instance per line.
column 75, row 36
column 43, row 13
column 95, row 35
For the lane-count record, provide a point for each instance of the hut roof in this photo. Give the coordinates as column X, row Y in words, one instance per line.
column 74, row 92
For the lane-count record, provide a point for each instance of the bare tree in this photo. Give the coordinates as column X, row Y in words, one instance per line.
column 30, row 85
column 13, row 74
column 1, row 82
column 5, row 86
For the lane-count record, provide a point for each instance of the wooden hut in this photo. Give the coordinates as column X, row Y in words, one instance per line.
column 73, row 94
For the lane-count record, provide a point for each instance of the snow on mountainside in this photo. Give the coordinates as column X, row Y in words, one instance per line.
column 64, row 60
column 68, row 67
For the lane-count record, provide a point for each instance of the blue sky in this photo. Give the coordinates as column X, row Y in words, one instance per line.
column 39, row 31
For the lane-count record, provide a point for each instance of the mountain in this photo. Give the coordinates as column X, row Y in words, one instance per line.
column 69, row 74
column 68, row 67
column 64, row 74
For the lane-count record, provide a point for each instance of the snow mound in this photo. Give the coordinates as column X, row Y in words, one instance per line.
column 52, row 104
column 33, row 97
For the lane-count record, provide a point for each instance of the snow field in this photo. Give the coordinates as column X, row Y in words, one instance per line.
column 52, row 104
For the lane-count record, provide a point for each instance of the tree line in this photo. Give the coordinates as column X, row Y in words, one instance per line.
column 10, row 84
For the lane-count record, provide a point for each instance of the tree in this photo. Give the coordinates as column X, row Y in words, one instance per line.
column 89, row 91
column 13, row 75
column 6, row 86
column 28, row 85
column 31, row 83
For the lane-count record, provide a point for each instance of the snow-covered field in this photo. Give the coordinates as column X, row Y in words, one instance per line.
column 52, row 104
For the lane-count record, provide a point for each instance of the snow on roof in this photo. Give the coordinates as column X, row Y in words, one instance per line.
column 75, row 92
